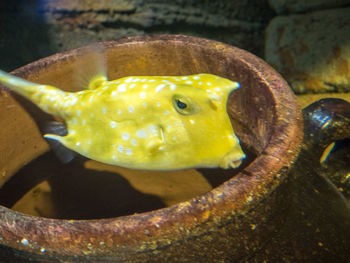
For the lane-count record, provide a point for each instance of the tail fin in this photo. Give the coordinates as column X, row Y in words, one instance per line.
column 48, row 98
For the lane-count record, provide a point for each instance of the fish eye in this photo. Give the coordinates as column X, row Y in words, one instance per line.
column 180, row 104
column 183, row 105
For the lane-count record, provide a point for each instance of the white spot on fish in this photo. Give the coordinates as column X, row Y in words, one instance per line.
column 136, row 80
column 160, row 87
column 131, row 109
column 113, row 124
column 196, row 77
column 152, row 80
column 104, row 110
column 74, row 101
column 119, row 112
column 189, row 82
column 144, row 105
column 141, row 134
column 114, row 93
column 114, row 157
column 122, row 87
column 145, row 86
column 128, row 80
column 192, row 121
column 164, row 80
column 132, row 85
column 208, row 90
column 125, row 136
column 24, row 241
column 217, row 89
column 143, row 80
column 158, row 104
column 89, row 142
column 78, row 112
column 152, row 128
column 77, row 144
column 120, row 148
column 166, row 112
column 184, row 78
column 143, row 95
column 91, row 98
column 133, row 142
column 209, row 83
column 104, row 88
column 200, row 83
column 74, row 120
column 83, row 122
column 128, row 151
column 172, row 86
column 216, row 97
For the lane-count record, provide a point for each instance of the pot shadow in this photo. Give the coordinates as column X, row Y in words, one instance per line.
column 77, row 192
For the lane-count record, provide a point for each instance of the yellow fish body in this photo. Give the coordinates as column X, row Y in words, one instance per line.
column 144, row 122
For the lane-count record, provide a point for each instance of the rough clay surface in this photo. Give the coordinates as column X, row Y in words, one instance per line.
column 312, row 50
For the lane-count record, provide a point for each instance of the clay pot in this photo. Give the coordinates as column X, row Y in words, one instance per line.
column 251, row 214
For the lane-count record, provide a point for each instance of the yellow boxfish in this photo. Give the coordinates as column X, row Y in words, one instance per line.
column 143, row 122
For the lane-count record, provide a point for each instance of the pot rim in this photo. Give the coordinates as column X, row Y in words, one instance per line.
column 226, row 200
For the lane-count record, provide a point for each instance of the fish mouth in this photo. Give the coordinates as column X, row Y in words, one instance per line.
column 233, row 159
column 235, row 164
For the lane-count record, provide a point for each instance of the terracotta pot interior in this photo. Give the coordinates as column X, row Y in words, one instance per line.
column 35, row 182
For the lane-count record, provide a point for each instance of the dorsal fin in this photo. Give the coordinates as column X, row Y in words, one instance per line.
column 90, row 68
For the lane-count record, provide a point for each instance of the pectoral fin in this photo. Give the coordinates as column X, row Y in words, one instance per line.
column 54, row 138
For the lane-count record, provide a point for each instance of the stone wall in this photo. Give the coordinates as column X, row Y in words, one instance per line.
column 66, row 24
column 310, row 46
column 233, row 22
column 308, row 42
